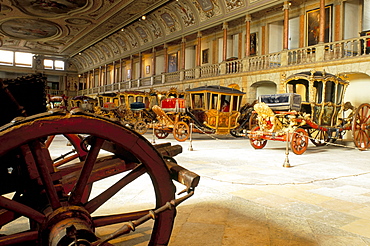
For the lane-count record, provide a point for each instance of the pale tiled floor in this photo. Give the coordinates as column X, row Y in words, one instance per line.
column 246, row 196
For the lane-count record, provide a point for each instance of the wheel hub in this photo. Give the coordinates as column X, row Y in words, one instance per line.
column 70, row 225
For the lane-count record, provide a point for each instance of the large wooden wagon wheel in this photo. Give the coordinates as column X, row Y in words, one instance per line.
column 52, row 198
column 318, row 137
column 299, row 141
column 256, row 141
column 181, row 131
column 361, row 126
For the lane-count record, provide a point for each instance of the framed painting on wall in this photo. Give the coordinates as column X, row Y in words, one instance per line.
column 253, row 48
column 313, row 25
column 205, row 54
column 172, row 62
column 128, row 73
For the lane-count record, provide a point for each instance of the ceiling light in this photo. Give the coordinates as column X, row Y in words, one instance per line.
column 143, row 17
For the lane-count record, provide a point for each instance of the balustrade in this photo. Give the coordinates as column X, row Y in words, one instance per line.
column 349, row 48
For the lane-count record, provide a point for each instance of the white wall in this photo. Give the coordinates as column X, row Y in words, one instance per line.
column 189, row 57
column 366, row 16
column 159, row 65
column 293, row 41
column 266, row 89
column 276, row 31
column 351, row 16
column 358, row 90
column 220, row 46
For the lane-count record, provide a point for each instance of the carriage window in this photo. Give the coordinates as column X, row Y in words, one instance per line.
column 198, row 100
column 235, row 103
column 213, row 101
column 146, row 102
column 318, row 95
column 130, row 99
column 153, row 101
column 302, row 90
column 122, row 99
column 339, row 93
column 225, row 103
column 289, row 88
column 139, row 99
column 115, row 101
column 330, row 91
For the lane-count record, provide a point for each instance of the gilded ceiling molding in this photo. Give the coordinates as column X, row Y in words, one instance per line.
column 92, row 54
column 117, row 40
column 106, row 50
column 207, row 9
column 232, row 5
column 99, row 53
column 52, row 8
column 130, row 37
column 186, row 13
column 155, row 28
column 142, row 32
column 113, row 46
column 168, row 19
column 88, row 59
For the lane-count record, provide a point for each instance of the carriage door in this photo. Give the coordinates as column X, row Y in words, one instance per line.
column 331, row 108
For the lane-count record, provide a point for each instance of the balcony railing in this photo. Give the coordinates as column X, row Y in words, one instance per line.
column 339, row 50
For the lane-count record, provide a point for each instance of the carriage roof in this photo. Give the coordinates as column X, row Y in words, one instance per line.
column 315, row 76
column 217, row 89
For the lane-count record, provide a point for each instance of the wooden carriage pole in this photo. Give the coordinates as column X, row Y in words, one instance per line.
column 286, row 162
column 153, row 141
column 190, row 139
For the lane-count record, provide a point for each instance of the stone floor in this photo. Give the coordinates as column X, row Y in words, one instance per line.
column 247, row 197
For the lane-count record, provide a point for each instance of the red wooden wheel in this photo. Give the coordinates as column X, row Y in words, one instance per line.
column 257, row 142
column 53, row 199
column 299, row 141
column 181, row 131
column 360, row 126
column 160, row 133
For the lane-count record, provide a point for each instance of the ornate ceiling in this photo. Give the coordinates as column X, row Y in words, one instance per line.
column 104, row 30
column 65, row 27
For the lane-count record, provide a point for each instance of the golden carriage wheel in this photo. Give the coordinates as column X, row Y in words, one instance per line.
column 256, row 141
column 361, row 126
column 181, row 131
column 318, row 137
column 52, row 198
column 299, row 141
column 140, row 127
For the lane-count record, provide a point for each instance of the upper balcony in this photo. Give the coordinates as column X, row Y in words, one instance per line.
column 339, row 52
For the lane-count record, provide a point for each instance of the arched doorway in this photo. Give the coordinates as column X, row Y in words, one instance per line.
column 263, row 88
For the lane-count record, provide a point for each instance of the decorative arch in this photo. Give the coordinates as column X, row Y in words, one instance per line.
column 263, row 87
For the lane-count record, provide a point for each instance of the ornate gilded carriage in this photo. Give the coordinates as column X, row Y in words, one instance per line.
column 211, row 109
column 319, row 117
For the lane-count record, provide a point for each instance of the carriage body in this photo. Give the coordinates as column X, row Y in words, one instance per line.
column 206, row 109
column 215, row 107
